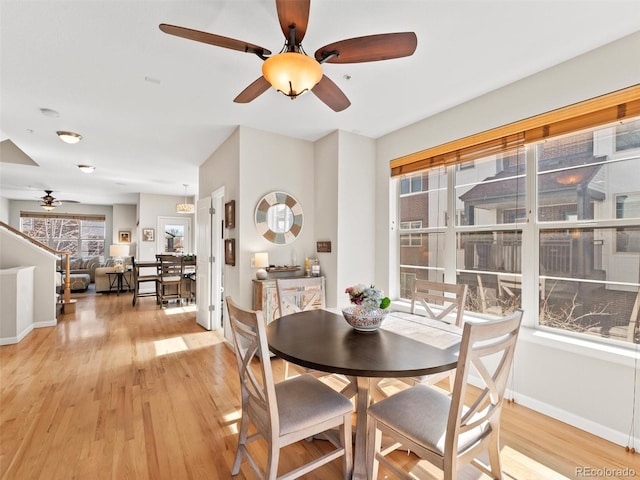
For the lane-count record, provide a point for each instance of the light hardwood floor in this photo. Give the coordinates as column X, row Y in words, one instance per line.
column 122, row 392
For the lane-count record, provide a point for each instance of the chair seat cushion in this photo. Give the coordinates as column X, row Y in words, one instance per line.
column 147, row 278
column 164, row 279
column 429, row 426
column 304, row 401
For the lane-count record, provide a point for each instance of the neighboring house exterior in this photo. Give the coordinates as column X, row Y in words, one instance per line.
column 586, row 193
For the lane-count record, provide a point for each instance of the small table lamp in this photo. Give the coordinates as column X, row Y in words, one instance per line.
column 118, row 252
column 261, row 261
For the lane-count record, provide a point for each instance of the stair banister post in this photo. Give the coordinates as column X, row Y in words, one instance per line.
column 67, row 280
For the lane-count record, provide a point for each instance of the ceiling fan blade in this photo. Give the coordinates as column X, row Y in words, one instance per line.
column 370, row 48
column 330, row 94
column 293, row 13
column 253, row 91
column 212, row 39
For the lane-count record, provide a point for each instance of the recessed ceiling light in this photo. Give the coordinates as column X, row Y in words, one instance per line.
column 48, row 112
column 86, row 168
column 69, row 137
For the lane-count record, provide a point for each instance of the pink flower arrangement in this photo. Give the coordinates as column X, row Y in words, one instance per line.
column 367, row 297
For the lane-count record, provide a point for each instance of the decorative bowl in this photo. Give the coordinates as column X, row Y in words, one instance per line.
column 364, row 319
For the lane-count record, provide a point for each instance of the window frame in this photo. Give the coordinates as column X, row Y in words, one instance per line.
column 79, row 240
column 531, row 228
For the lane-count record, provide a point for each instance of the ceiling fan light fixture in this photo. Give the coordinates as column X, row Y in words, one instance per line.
column 86, row 168
column 48, row 206
column 69, row 137
column 292, row 73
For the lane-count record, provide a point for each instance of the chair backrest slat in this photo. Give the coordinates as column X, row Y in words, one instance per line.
column 300, row 294
column 486, row 348
column 170, row 266
column 256, row 381
column 448, row 297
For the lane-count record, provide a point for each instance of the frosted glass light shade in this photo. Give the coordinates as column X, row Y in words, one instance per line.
column 69, row 137
column 292, row 73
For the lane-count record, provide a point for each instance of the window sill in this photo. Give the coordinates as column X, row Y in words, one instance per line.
column 626, row 356
column 582, row 346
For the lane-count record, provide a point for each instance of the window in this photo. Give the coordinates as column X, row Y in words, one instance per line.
column 465, row 165
column 422, row 223
column 411, row 184
column 81, row 235
column 491, row 195
column 585, row 227
column 628, row 136
column 175, row 235
column 628, row 239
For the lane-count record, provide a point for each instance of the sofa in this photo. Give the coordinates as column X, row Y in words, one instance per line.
column 103, row 279
column 78, row 265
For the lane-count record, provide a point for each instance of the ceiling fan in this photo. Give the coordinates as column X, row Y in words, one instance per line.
column 291, row 71
column 49, row 202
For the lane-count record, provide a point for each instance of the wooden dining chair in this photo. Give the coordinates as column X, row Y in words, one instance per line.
column 300, row 294
column 439, row 301
column 440, row 428
column 286, row 412
column 140, row 280
column 170, row 273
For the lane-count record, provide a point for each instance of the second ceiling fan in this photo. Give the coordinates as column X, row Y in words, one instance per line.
column 292, row 72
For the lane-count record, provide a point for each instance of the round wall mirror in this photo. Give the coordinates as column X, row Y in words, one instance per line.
column 279, row 217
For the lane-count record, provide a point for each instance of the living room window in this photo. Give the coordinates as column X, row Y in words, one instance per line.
column 582, row 220
column 81, row 235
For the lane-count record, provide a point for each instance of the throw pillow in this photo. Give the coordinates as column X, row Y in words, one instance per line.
column 75, row 263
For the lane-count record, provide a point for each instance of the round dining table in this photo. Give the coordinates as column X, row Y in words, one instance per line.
column 322, row 340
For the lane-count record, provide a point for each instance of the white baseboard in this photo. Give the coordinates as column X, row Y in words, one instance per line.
column 50, row 323
column 18, row 338
column 599, row 430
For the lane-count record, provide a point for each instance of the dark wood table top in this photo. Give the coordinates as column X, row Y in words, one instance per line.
column 323, row 340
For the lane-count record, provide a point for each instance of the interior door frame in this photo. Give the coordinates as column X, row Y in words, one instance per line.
column 204, row 213
column 217, row 253
column 209, row 281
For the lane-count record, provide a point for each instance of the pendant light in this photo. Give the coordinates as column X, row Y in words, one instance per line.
column 185, row 207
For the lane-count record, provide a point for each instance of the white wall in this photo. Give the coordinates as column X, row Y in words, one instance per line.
column 124, row 219
column 4, row 210
column 150, row 207
column 268, row 163
column 356, row 213
column 580, row 385
column 249, row 164
column 220, row 170
column 327, row 159
column 15, row 251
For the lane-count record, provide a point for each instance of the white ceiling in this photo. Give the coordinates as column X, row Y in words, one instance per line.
column 152, row 107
